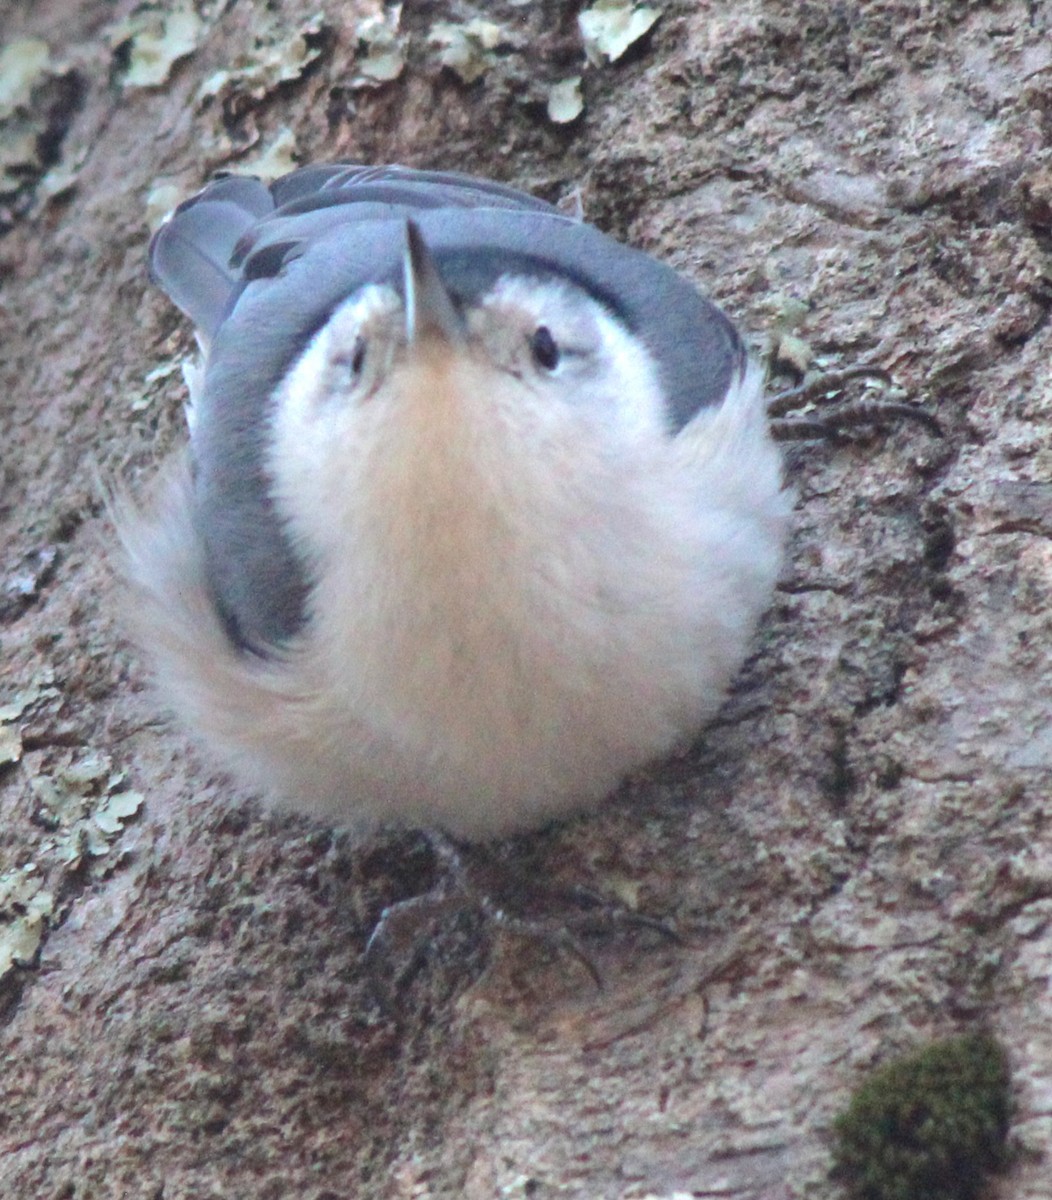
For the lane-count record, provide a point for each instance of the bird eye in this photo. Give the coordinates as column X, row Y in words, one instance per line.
column 352, row 362
column 358, row 356
column 544, row 349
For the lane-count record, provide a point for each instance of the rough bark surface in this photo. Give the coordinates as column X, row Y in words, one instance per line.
column 857, row 852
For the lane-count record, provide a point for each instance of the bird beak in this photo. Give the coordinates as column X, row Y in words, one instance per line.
column 429, row 308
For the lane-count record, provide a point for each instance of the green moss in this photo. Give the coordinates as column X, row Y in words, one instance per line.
column 929, row 1126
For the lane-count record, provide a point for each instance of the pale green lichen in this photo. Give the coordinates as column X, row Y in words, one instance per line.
column 23, row 63
column 160, row 204
column 381, row 54
column 156, row 41
column 565, row 102
column 277, row 57
column 610, row 27
column 467, row 49
column 277, row 159
column 25, row 907
column 10, row 744
column 85, row 806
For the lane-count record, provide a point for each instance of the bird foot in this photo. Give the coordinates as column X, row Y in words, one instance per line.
column 847, row 415
column 407, row 933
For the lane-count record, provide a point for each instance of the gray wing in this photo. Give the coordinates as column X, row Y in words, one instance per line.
column 261, row 269
column 190, row 255
column 198, row 254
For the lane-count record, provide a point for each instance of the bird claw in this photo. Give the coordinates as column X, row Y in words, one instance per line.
column 406, row 931
column 827, row 389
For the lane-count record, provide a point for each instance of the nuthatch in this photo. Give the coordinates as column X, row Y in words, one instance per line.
column 480, row 508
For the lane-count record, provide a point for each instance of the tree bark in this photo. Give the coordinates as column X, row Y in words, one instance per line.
column 856, row 853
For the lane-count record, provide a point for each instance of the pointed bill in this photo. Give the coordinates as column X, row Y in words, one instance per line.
column 429, row 309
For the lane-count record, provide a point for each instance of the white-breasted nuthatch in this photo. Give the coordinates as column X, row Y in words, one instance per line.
column 480, row 508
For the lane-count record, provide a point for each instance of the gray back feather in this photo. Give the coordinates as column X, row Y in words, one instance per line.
column 260, row 270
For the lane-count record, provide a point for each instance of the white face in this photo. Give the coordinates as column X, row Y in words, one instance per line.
column 541, row 339
column 540, row 379
column 558, row 343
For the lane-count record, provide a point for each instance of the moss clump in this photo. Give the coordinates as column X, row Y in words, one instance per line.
column 929, row 1126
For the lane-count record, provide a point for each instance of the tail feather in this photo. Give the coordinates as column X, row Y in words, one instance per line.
column 190, row 255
